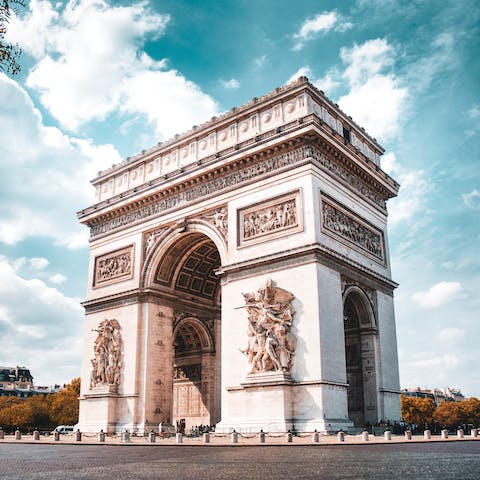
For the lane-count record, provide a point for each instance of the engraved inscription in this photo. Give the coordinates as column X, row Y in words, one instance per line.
column 114, row 267
column 356, row 231
column 270, row 219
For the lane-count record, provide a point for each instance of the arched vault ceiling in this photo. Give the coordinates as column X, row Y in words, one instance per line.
column 189, row 266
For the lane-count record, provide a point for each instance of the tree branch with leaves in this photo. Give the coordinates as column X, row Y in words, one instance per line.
column 9, row 53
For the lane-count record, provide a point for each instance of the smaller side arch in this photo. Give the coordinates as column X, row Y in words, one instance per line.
column 363, row 306
column 206, row 341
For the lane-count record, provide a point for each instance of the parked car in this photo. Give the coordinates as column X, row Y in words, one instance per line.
column 63, row 429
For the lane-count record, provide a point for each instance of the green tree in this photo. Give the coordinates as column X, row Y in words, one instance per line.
column 8, row 52
column 417, row 410
column 64, row 404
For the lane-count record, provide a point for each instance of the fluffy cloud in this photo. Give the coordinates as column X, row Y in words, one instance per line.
column 58, row 279
column 231, row 84
column 376, row 99
column 438, row 295
column 47, row 176
column 321, row 23
column 39, row 326
column 90, row 64
column 472, row 199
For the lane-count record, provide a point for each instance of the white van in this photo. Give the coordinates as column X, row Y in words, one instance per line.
column 64, row 429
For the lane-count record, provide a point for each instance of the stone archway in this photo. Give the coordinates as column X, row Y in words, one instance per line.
column 360, row 345
column 194, row 374
column 185, row 276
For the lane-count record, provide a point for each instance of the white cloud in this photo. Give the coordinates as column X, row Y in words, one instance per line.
column 39, row 263
column 301, row 72
column 474, row 112
column 321, row 23
column 39, row 326
column 451, row 335
column 415, row 187
column 329, row 82
column 437, row 295
column 376, row 99
column 90, row 65
column 231, row 84
column 472, row 199
column 49, row 179
column 58, row 279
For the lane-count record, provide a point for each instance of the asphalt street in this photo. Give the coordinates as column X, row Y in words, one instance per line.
column 459, row 460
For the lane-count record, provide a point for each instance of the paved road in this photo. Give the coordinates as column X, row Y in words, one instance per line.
column 456, row 460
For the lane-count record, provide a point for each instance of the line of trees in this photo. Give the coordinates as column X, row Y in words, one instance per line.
column 423, row 412
column 41, row 412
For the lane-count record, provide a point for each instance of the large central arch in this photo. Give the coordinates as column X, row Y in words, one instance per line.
column 183, row 274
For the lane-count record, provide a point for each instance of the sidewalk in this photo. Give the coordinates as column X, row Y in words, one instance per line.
column 226, row 440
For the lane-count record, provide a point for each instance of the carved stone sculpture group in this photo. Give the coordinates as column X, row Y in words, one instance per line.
column 106, row 363
column 270, row 219
column 271, row 345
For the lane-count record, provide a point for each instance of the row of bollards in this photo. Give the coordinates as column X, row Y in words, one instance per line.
column 126, row 436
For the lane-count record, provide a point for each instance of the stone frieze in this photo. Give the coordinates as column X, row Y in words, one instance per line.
column 113, row 267
column 270, row 219
column 348, row 227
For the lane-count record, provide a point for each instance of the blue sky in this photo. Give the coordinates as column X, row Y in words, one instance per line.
column 103, row 80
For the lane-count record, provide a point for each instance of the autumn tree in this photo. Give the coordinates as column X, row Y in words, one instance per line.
column 64, row 406
column 417, row 410
column 8, row 52
column 471, row 410
column 449, row 414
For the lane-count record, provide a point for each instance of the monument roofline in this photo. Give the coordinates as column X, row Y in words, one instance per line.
column 257, row 104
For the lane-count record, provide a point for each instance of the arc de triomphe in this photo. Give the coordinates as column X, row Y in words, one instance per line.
column 239, row 276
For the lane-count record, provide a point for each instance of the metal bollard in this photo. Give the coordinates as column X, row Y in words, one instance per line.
column 126, row 436
column 474, row 433
column 289, row 437
column 101, row 436
column 78, row 436
column 365, row 437
column 206, row 437
column 18, row 434
column 444, row 434
column 408, row 434
column 179, row 438
column 36, row 435
column 427, row 435
column 460, row 433
column 341, row 436
column 56, row 436
column 387, row 435
column 151, row 437
column 315, row 437
column 2, row 434
column 234, row 437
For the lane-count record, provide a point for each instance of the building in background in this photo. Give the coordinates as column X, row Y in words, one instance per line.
column 18, row 382
column 438, row 395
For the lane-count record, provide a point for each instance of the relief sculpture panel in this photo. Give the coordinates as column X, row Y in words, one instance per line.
column 349, row 227
column 106, row 363
column 113, row 267
column 270, row 219
column 271, row 344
